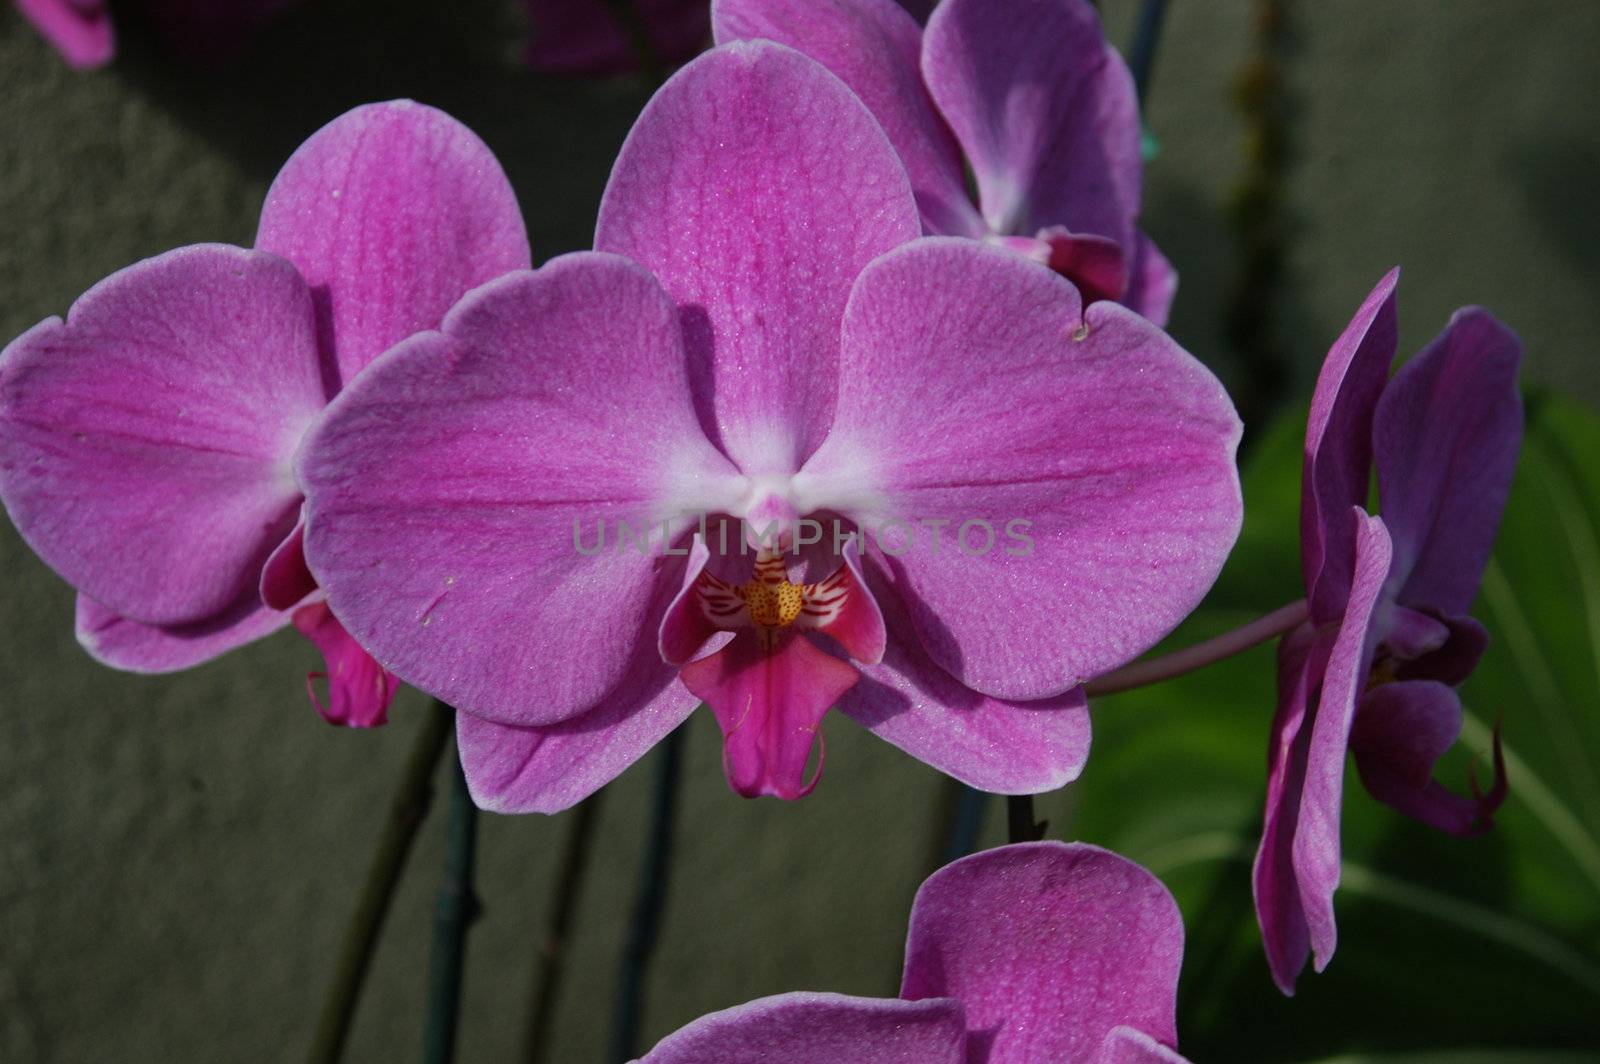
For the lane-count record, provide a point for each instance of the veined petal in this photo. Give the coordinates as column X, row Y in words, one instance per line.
column 993, row 745
column 466, row 494
column 552, row 767
column 1048, row 946
column 1152, row 283
column 1338, row 460
column 359, row 690
column 1400, row 733
column 1081, row 464
column 1446, row 434
column 392, row 212
column 1316, row 833
column 756, row 186
column 80, row 31
column 1125, row 1045
column 1045, row 111
column 805, row 1028
column 769, row 691
column 134, row 647
column 875, row 47
column 146, row 442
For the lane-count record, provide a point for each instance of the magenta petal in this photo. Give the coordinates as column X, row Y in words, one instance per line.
column 769, row 701
column 684, row 628
column 1338, row 457
column 1152, row 283
column 1302, row 657
column 392, row 212
column 80, row 30
column 756, row 186
column 1446, row 435
column 1096, row 264
column 811, row 1028
column 146, row 443
column 285, row 580
column 874, row 47
column 1045, row 111
column 456, row 491
column 1316, row 833
column 1124, row 1045
column 135, row 647
column 1048, row 946
column 1099, row 455
column 359, row 690
column 859, row 626
column 1401, row 732
column 1003, row 747
column 553, row 767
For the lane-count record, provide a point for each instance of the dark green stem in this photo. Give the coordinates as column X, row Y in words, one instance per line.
column 648, row 903
column 1020, row 823
column 551, row 962
column 966, row 822
column 1142, row 56
column 406, row 812
column 453, row 914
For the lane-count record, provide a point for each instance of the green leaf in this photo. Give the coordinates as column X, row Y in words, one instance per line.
column 1488, row 943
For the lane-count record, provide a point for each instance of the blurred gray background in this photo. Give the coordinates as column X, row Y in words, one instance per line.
column 179, row 855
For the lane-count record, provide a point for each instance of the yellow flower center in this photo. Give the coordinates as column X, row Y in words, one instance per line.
column 772, row 604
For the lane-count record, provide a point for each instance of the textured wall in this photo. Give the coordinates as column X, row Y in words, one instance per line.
column 178, row 854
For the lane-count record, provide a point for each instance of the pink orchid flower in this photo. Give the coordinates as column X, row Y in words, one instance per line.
column 147, row 442
column 776, row 346
column 85, row 36
column 1027, row 93
column 1372, row 671
column 1036, row 953
column 590, row 37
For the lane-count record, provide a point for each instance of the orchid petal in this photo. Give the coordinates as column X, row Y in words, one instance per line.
column 359, row 690
column 1401, row 732
column 1003, row 747
column 1045, row 111
column 285, row 580
column 81, row 32
column 804, row 1028
column 874, row 46
column 769, row 697
column 1316, row 833
column 453, row 487
column 848, row 613
column 1446, row 435
column 1338, row 456
column 1302, row 658
column 756, row 186
column 1048, row 946
column 1454, row 659
column 392, row 212
column 1111, row 446
column 146, row 442
column 1152, row 283
column 134, row 647
column 553, row 767
column 1125, row 1045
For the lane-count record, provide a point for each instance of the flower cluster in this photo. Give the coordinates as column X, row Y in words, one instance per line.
column 382, row 426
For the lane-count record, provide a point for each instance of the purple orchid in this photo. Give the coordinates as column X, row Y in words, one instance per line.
column 1036, row 953
column 780, row 347
column 1373, row 668
column 83, row 33
column 590, row 37
column 147, row 442
column 1027, row 93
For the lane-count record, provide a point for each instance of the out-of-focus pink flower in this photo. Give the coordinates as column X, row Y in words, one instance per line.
column 147, row 441
column 594, row 36
column 1036, row 953
column 82, row 30
column 762, row 338
column 1025, row 93
column 1372, row 671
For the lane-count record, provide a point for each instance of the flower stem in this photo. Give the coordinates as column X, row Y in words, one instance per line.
column 1155, row 670
column 1142, row 56
column 648, row 903
column 551, row 962
column 407, row 810
column 453, row 913
column 1020, row 824
column 965, row 822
